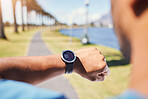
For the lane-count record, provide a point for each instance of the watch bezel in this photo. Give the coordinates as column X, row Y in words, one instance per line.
column 67, row 60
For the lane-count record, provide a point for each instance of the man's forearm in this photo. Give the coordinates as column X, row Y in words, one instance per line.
column 33, row 69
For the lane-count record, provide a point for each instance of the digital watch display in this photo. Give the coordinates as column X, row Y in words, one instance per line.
column 69, row 58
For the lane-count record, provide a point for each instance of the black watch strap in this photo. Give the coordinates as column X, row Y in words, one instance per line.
column 69, row 68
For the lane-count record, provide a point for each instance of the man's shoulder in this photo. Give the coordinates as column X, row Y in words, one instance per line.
column 20, row 90
column 130, row 94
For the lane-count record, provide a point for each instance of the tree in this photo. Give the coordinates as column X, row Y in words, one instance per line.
column 7, row 24
column 22, row 5
column 2, row 33
column 92, row 24
column 14, row 15
column 33, row 5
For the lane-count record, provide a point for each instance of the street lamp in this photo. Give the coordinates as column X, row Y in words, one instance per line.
column 85, row 37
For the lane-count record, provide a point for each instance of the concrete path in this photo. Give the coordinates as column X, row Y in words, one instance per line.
column 60, row 84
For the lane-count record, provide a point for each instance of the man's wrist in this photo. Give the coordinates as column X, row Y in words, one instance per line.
column 60, row 63
column 77, row 65
column 54, row 61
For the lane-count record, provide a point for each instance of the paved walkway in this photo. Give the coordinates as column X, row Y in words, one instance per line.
column 60, row 84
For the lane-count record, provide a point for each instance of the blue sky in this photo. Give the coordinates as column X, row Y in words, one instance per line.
column 63, row 10
column 66, row 11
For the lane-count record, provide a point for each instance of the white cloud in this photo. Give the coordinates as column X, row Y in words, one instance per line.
column 78, row 16
column 94, row 17
column 79, row 12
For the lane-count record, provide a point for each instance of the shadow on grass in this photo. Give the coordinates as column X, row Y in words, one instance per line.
column 121, row 62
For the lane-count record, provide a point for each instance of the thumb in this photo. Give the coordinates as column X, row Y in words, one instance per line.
column 100, row 77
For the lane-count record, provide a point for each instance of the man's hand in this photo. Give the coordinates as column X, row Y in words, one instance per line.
column 90, row 63
column 35, row 69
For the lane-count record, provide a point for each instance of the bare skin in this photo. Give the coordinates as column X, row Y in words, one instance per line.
column 35, row 69
column 131, row 25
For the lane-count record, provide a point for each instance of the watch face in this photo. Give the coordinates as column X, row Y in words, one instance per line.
column 68, row 55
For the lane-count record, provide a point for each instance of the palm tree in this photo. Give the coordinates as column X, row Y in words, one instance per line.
column 14, row 15
column 27, row 7
column 2, row 34
column 33, row 5
column 22, row 5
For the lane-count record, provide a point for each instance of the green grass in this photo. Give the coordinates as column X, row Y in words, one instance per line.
column 17, row 44
column 114, row 84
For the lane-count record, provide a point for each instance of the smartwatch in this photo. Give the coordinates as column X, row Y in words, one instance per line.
column 69, row 58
